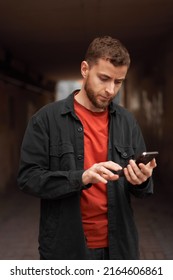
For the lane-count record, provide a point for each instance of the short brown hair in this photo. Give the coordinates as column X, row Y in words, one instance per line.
column 107, row 48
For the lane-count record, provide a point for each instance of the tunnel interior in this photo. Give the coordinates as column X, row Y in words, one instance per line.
column 43, row 43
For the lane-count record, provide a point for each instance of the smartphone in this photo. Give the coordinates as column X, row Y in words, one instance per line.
column 144, row 158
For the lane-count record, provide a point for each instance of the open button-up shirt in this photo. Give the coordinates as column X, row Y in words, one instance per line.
column 51, row 168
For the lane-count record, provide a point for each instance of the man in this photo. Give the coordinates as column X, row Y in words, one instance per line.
column 71, row 152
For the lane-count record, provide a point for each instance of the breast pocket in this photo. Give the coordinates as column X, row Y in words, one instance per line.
column 62, row 157
column 123, row 154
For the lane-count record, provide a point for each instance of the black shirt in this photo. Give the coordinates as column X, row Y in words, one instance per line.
column 51, row 168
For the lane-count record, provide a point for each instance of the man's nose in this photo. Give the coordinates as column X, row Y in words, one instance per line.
column 110, row 88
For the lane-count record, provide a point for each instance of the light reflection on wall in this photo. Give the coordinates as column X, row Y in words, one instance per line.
column 153, row 110
column 65, row 87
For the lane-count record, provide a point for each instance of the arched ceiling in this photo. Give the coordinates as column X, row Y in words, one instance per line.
column 52, row 36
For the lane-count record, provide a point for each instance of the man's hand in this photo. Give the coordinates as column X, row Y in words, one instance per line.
column 101, row 172
column 138, row 174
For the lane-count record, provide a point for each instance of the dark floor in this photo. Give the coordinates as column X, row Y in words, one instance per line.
column 19, row 217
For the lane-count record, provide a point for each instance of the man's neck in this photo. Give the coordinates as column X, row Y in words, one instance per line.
column 81, row 98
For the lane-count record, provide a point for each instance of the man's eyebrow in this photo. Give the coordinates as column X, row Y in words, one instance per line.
column 120, row 80
column 108, row 77
column 105, row 75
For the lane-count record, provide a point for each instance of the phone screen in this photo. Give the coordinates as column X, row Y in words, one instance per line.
column 146, row 157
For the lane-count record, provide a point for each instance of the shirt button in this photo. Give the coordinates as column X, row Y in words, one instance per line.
column 124, row 154
column 80, row 129
column 79, row 157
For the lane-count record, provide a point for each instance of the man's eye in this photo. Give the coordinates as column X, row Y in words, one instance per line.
column 118, row 82
column 103, row 79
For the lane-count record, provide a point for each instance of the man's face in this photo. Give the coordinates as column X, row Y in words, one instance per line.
column 102, row 82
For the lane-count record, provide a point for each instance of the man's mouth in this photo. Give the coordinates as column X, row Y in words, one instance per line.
column 104, row 98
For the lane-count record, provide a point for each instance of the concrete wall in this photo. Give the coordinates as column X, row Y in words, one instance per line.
column 149, row 96
column 16, row 107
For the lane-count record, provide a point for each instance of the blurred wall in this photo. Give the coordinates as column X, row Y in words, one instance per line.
column 17, row 104
column 167, row 139
column 149, row 96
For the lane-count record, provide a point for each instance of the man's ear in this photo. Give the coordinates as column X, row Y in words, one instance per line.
column 84, row 69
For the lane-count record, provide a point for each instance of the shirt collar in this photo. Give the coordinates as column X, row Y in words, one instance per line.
column 68, row 105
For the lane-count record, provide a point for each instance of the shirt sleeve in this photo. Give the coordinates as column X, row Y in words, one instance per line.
column 35, row 176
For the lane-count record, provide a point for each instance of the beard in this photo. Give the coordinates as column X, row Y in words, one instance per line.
column 99, row 103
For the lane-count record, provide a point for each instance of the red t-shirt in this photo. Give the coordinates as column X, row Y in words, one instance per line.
column 94, row 199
